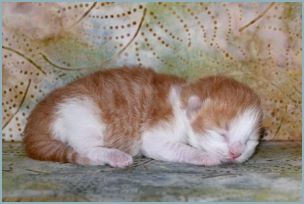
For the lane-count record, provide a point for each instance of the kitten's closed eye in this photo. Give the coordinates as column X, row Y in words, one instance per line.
column 224, row 135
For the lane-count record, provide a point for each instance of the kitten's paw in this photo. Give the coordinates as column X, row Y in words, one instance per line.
column 206, row 160
column 210, row 161
column 119, row 159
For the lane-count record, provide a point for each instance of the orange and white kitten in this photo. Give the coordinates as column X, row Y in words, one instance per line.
column 110, row 116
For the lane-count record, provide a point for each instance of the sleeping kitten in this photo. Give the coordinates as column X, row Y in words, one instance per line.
column 110, row 116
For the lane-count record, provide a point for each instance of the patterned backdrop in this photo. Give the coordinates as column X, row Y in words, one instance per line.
column 46, row 45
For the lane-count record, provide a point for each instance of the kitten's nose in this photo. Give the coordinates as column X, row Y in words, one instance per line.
column 235, row 150
column 234, row 155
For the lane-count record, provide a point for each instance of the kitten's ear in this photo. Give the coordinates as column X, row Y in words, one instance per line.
column 193, row 105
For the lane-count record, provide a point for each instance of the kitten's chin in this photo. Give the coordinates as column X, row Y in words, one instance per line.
column 243, row 158
column 239, row 161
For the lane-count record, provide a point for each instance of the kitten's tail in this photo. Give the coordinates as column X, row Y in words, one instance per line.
column 48, row 149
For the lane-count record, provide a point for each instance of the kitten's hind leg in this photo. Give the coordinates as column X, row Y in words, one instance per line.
column 79, row 125
column 100, row 155
column 88, row 143
column 112, row 157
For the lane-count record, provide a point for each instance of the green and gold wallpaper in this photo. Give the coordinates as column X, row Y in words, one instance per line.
column 46, row 45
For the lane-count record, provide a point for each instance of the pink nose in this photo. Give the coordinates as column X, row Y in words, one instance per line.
column 234, row 155
column 235, row 150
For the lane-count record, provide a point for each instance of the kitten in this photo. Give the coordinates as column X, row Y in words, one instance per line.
column 110, row 116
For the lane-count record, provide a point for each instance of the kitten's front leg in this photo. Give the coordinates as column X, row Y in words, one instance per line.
column 177, row 152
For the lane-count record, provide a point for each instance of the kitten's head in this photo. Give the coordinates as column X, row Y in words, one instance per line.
column 228, row 131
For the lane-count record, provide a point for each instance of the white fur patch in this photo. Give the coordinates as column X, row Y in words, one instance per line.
column 155, row 139
column 245, row 125
column 78, row 124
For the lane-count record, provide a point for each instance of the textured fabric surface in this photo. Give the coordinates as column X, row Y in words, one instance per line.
column 273, row 174
column 46, row 45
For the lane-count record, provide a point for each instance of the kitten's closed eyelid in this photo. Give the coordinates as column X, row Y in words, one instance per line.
column 251, row 140
column 224, row 135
